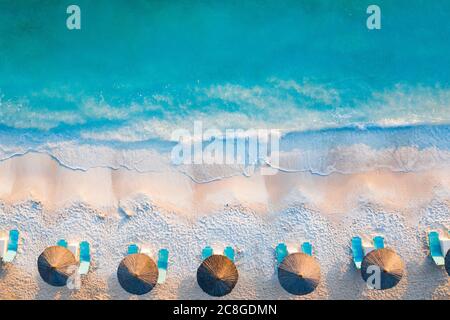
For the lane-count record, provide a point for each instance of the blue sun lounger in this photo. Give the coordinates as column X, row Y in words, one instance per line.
column 133, row 249
column 378, row 242
column 307, row 248
column 229, row 253
column 435, row 248
column 207, row 252
column 85, row 258
column 281, row 252
column 13, row 246
column 358, row 252
column 445, row 243
column 62, row 243
column 163, row 262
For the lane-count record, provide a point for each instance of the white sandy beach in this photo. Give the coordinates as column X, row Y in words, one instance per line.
column 112, row 208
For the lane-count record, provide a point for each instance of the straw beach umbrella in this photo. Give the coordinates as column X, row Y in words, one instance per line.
column 56, row 264
column 217, row 275
column 391, row 268
column 447, row 263
column 299, row 274
column 137, row 273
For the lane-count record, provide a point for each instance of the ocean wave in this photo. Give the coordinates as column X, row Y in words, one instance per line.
column 285, row 105
column 323, row 152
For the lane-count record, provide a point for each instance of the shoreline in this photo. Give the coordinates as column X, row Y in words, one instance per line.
column 322, row 152
column 41, row 178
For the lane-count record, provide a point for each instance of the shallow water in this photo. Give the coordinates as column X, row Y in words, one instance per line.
column 136, row 72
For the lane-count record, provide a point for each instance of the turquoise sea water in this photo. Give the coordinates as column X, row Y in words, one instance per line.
column 139, row 69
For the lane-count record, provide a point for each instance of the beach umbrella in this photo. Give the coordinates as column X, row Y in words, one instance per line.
column 137, row 273
column 217, row 275
column 299, row 273
column 56, row 264
column 447, row 263
column 385, row 263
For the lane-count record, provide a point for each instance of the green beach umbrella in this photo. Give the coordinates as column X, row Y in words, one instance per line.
column 217, row 275
column 389, row 265
column 56, row 264
column 299, row 274
column 137, row 274
column 447, row 263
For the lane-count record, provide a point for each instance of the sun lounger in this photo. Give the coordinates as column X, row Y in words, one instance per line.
column 74, row 248
column 378, row 242
column 307, row 248
column 229, row 253
column 207, row 252
column 445, row 244
column 368, row 246
column 133, row 249
column 145, row 250
column 163, row 262
column 358, row 252
column 62, row 243
column 3, row 247
column 85, row 258
column 435, row 248
column 13, row 245
column 281, row 252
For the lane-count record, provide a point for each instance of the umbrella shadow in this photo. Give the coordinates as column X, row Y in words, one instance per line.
column 271, row 289
column 345, row 283
column 427, row 278
column 5, row 269
column 189, row 289
column 47, row 292
column 116, row 292
column 90, row 289
column 2, row 270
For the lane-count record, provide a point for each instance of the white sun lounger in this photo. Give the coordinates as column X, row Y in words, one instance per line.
column 445, row 243
column 3, row 247
column 73, row 247
column 12, row 246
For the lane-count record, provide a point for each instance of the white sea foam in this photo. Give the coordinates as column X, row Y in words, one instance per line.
column 286, row 105
column 320, row 153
